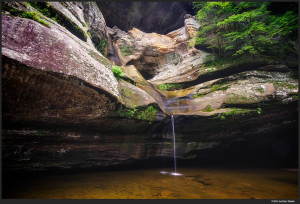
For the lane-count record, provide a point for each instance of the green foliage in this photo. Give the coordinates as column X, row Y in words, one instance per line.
column 46, row 9
column 197, row 95
column 36, row 17
column 208, row 109
column 235, row 113
column 89, row 34
column 40, row 132
column 118, row 73
column 258, row 110
column 218, row 61
column 141, row 113
column 295, row 96
column 239, row 28
column 42, row 7
column 101, row 45
column 42, row 21
column 168, row 87
column 285, row 85
column 127, row 50
column 260, row 90
column 216, row 87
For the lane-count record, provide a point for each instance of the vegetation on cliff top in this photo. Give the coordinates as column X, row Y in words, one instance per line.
column 234, row 29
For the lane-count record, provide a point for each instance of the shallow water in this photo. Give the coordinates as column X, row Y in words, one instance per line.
column 195, row 183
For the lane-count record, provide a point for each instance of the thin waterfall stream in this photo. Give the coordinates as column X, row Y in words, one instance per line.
column 174, row 147
column 174, row 151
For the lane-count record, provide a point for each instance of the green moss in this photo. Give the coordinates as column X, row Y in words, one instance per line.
column 40, row 132
column 198, row 95
column 208, row 109
column 141, row 113
column 47, row 10
column 101, row 59
column 218, row 62
column 127, row 50
column 295, row 96
column 236, row 113
column 216, row 87
column 100, row 45
column 168, row 87
column 36, row 17
column 260, row 90
column 13, row 11
column 89, row 34
column 239, row 99
column 42, row 21
column 285, row 85
column 118, row 73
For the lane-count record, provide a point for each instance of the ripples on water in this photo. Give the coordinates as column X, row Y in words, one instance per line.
column 195, row 183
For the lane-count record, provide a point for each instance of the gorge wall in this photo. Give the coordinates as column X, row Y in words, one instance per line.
column 66, row 107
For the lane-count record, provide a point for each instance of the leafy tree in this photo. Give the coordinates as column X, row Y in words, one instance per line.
column 246, row 28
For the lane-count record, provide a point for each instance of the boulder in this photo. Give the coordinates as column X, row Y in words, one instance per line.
column 55, row 49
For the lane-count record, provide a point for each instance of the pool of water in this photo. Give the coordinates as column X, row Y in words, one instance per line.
column 194, row 183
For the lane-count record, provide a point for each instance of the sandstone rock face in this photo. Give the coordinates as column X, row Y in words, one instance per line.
column 36, row 95
column 134, row 96
column 161, row 58
column 87, row 17
column 186, row 69
column 191, row 25
column 55, row 49
column 159, row 17
column 96, row 24
column 252, row 87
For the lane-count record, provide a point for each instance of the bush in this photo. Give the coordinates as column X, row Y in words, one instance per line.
column 101, row 45
column 118, row 73
column 36, row 17
column 147, row 114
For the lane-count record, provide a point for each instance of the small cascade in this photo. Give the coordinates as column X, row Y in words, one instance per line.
column 112, row 53
column 174, row 144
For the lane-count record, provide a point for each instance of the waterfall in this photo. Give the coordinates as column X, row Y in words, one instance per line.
column 174, row 142
column 174, row 151
column 174, row 147
column 112, row 52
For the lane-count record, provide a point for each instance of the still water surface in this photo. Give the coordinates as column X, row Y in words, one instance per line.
column 195, row 183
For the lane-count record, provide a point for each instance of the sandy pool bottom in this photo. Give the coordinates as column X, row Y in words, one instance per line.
column 194, row 183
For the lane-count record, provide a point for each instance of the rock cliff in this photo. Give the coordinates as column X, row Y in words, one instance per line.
column 77, row 93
